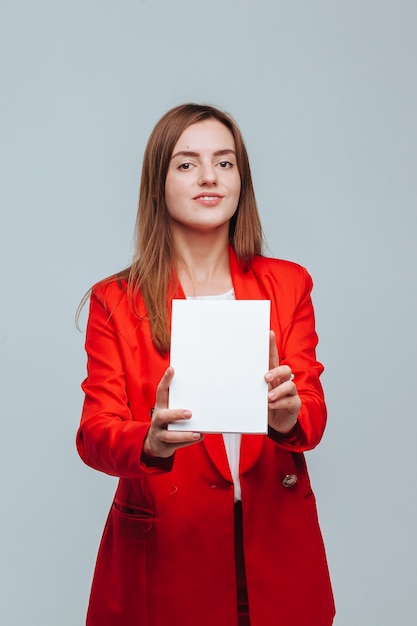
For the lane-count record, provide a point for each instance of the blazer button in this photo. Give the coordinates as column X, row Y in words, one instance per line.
column 289, row 480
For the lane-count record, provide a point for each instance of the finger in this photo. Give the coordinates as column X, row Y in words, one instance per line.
column 162, row 391
column 289, row 406
column 279, row 375
column 167, row 450
column 162, row 417
column 178, row 438
column 285, row 389
column 273, row 351
column 173, row 436
column 164, row 442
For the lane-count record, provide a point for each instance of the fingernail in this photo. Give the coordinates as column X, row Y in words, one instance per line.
column 187, row 414
column 196, row 436
column 269, row 376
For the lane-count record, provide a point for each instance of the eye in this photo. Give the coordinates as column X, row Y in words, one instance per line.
column 225, row 164
column 185, row 166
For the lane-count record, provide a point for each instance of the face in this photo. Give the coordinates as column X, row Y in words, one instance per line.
column 202, row 186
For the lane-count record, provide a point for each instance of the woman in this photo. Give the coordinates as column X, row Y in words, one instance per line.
column 204, row 530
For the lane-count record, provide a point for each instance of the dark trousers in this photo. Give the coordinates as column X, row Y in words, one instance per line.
column 242, row 594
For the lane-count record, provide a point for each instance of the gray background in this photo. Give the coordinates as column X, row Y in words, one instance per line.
column 325, row 94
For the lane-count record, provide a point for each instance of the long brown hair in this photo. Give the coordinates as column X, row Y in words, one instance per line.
column 153, row 270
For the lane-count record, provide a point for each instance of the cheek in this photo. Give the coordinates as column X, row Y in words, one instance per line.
column 171, row 191
column 238, row 188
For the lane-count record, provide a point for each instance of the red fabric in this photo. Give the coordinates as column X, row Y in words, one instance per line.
column 167, row 552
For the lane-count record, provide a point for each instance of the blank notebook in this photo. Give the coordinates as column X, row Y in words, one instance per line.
column 220, row 353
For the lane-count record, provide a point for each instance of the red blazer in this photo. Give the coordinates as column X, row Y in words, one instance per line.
column 167, row 552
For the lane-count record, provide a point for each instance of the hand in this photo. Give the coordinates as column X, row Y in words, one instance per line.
column 161, row 442
column 283, row 400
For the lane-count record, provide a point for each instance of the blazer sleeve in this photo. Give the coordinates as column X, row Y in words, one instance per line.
column 297, row 348
column 109, row 439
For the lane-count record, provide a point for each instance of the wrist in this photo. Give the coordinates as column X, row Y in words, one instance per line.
column 287, row 429
column 283, row 422
column 147, row 449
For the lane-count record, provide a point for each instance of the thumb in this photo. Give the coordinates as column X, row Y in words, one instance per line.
column 273, row 351
column 162, row 391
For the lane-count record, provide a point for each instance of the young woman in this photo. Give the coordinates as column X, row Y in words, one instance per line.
column 204, row 529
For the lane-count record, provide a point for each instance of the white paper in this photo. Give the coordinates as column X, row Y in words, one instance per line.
column 220, row 353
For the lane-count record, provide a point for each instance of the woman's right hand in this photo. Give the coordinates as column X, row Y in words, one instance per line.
column 161, row 442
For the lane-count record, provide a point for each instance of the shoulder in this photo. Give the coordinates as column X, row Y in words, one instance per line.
column 111, row 303
column 281, row 273
column 110, row 291
column 271, row 264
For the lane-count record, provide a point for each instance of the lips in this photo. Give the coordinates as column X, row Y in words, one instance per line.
column 208, row 200
column 207, row 197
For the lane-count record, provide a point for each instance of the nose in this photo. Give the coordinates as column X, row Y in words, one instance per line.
column 208, row 174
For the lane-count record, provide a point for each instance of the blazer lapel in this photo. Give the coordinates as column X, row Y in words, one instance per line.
column 250, row 450
column 245, row 284
column 214, row 446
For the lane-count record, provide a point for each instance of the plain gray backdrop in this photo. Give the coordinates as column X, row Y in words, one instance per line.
column 325, row 94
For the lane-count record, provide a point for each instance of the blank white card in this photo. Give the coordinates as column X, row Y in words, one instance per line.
column 220, row 353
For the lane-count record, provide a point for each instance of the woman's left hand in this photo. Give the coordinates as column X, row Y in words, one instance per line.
column 283, row 400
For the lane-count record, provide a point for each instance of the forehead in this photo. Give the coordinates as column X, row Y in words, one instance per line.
column 208, row 135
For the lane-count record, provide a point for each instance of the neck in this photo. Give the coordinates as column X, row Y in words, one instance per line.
column 203, row 263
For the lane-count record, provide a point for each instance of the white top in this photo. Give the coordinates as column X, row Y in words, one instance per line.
column 231, row 440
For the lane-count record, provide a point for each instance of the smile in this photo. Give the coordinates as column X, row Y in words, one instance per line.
column 208, row 197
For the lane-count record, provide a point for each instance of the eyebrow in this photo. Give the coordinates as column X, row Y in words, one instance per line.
column 189, row 153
